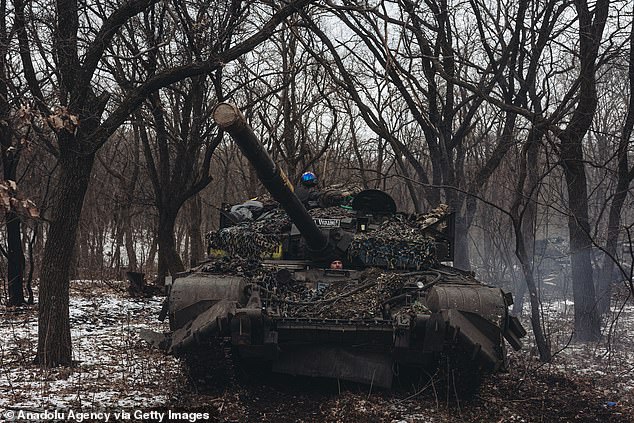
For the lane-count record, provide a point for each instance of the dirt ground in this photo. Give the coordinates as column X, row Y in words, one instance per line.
column 117, row 371
column 527, row 393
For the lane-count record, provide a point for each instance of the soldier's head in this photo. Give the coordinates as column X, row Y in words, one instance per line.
column 309, row 179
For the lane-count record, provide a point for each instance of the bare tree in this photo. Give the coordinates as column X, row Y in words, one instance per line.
column 122, row 161
column 625, row 176
column 178, row 175
column 591, row 25
column 77, row 114
column 415, row 47
column 523, row 214
column 10, row 149
column 576, row 99
column 196, row 246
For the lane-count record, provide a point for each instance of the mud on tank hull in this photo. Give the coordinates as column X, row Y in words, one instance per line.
column 342, row 325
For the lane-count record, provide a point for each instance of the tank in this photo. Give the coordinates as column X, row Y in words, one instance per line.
column 356, row 292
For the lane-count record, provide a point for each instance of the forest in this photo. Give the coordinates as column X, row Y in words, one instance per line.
column 518, row 115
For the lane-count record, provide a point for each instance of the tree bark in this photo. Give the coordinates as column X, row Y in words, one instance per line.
column 54, row 340
column 15, row 259
column 587, row 322
column 169, row 260
column 523, row 212
column 197, row 249
column 591, row 25
column 461, row 244
column 625, row 175
column 151, row 257
column 543, row 346
column 13, row 224
column 129, row 240
column 10, row 158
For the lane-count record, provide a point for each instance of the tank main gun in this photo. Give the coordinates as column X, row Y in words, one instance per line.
column 230, row 119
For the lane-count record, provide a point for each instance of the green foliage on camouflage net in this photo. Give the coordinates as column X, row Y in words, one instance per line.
column 244, row 242
column 258, row 238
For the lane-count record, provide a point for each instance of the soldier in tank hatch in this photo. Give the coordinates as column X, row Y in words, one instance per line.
column 311, row 196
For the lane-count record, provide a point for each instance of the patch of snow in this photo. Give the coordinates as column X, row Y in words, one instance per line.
column 114, row 367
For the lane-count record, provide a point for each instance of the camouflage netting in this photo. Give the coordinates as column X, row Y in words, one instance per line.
column 424, row 220
column 396, row 244
column 251, row 268
column 373, row 294
column 366, row 298
column 253, row 238
column 400, row 243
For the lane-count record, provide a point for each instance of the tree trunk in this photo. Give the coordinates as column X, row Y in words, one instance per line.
column 129, row 240
column 197, row 250
column 587, row 322
column 117, row 243
column 461, row 245
column 625, row 176
column 522, row 212
column 526, row 232
column 461, row 242
column 82, row 252
column 35, row 248
column 15, row 259
column 54, row 340
column 528, row 239
column 15, row 252
column 169, row 259
column 151, row 256
column 607, row 272
column 518, row 298
column 10, row 158
column 591, row 25
column 543, row 345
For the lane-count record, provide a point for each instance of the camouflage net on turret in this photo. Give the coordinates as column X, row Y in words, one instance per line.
column 254, row 239
column 251, row 239
column 397, row 243
column 424, row 220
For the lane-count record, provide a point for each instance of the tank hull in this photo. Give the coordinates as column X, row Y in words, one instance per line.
column 466, row 320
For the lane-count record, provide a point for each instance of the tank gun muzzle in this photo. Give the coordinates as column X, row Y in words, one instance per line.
column 230, row 119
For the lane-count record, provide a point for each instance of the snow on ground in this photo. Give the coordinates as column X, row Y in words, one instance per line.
column 610, row 361
column 116, row 370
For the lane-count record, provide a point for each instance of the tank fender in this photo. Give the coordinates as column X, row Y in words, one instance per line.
column 485, row 301
column 209, row 324
column 193, row 294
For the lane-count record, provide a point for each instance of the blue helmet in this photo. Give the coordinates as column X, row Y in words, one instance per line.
column 309, row 178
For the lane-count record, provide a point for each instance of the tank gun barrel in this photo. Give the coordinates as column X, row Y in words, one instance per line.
column 229, row 118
